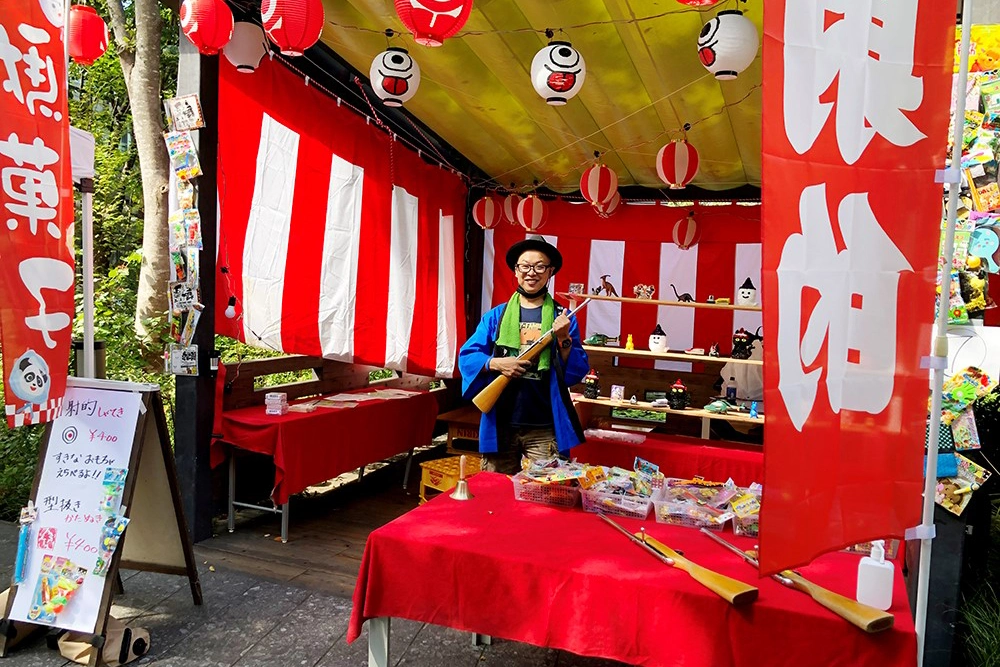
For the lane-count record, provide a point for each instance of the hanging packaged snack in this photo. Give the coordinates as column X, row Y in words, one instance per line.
column 954, row 493
column 965, row 432
column 182, row 298
column 28, row 516
column 183, row 155
column 111, row 533
column 190, row 324
column 982, row 180
column 193, row 256
column 961, row 390
column 192, row 228
column 179, row 263
column 112, row 488
column 184, row 112
column 58, row 580
column 178, row 236
column 183, row 360
column 185, row 194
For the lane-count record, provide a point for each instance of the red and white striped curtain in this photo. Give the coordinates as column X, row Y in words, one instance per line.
column 336, row 240
column 636, row 247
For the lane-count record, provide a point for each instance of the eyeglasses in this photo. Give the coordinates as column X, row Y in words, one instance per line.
column 525, row 269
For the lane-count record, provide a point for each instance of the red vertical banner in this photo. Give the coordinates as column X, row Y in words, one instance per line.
column 36, row 211
column 856, row 103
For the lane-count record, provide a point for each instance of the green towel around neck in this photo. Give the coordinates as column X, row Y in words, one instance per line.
column 510, row 328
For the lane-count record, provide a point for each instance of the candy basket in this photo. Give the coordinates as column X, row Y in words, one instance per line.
column 630, row 507
column 559, row 495
column 680, row 514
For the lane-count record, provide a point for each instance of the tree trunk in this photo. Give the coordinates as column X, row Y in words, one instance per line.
column 140, row 61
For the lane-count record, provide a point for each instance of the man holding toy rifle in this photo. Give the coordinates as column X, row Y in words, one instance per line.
column 533, row 416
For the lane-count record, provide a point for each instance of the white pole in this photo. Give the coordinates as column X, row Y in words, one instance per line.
column 89, row 365
column 940, row 346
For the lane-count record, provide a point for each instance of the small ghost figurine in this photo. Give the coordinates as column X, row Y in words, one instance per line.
column 629, row 345
column 746, row 295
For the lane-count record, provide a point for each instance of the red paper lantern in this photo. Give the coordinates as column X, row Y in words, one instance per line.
column 607, row 210
column 208, row 24
column 599, row 184
column 686, row 232
column 433, row 21
column 486, row 212
column 677, row 164
column 531, row 213
column 293, row 25
column 510, row 203
column 88, row 35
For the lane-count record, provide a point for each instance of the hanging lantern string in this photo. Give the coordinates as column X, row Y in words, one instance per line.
column 543, row 31
column 604, row 153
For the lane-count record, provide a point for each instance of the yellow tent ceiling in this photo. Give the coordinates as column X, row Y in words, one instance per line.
column 644, row 82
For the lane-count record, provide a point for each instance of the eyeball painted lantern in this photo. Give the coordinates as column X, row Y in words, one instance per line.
column 679, row 398
column 433, row 21
column 293, row 25
column 88, row 35
column 208, row 24
column 557, row 72
column 685, row 233
column 599, row 184
column 247, row 47
column 395, row 76
column 746, row 295
column 608, row 209
column 486, row 212
column 677, row 164
column 728, row 44
column 531, row 213
column 592, row 384
column 510, row 203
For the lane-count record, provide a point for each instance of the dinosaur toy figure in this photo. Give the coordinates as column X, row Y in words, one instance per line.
column 600, row 339
column 683, row 298
column 609, row 289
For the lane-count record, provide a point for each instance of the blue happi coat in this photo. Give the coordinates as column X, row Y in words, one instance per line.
column 472, row 363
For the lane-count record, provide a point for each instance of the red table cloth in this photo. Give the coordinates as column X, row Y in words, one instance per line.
column 680, row 456
column 312, row 447
column 561, row 578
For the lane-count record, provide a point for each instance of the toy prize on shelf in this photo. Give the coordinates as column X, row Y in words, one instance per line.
column 185, row 239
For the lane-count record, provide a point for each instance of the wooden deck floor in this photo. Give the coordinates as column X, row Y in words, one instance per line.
column 327, row 534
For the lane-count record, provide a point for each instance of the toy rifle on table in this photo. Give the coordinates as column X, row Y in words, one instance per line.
column 732, row 591
column 487, row 398
column 860, row 615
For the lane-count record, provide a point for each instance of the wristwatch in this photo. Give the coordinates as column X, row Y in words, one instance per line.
column 566, row 344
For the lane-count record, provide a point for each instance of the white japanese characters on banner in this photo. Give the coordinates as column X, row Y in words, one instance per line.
column 36, row 211
column 856, row 108
column 78, row 502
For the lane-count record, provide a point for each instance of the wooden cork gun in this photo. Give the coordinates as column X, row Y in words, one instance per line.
column 488, row 397
column 732, row 591
column 860, row 615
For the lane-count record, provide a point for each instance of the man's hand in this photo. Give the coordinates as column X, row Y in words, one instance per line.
column 560, row 328
column 512, row 367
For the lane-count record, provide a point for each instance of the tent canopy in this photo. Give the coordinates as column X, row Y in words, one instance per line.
column 644, row 82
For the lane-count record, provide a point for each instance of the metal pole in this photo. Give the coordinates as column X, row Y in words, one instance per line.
column 89, row 361
column 940, row 345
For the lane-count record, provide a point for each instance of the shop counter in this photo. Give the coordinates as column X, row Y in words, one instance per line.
column 561, row 578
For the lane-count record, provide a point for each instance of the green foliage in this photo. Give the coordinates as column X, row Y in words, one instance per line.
column 980, row 613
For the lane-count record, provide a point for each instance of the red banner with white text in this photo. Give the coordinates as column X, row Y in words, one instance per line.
column 36, row 209
column 856, row 102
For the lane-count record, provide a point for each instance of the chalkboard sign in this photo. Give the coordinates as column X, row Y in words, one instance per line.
column 105, row 473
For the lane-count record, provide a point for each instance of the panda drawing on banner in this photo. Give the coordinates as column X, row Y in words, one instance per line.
column 53, row 10
column 29, row 380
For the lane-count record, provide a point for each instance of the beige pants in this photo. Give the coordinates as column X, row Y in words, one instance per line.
column 535, row 443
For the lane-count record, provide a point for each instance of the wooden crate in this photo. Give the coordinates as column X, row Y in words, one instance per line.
column 443, row 474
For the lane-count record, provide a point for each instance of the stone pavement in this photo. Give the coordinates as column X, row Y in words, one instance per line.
column 248, row 622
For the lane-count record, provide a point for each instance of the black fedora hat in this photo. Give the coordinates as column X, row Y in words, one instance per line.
column 534, row 243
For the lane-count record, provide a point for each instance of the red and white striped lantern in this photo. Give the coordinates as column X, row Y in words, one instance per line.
column 293, row 25
column 677, row 164
column 599, row 184
column 433, row 21
column 686, row 232
column 608, row 209
column 88, row 35
column 531, row 213
column 510, row 203
column 208, row 24
column 486, row 212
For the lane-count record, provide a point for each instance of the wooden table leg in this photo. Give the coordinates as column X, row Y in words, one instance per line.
column 378, row 642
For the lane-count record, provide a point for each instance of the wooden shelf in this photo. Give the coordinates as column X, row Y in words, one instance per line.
column 741, row 417
column 670, row 356
column 681, row 304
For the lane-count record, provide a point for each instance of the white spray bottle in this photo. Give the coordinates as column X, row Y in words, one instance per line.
column 875, row 578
